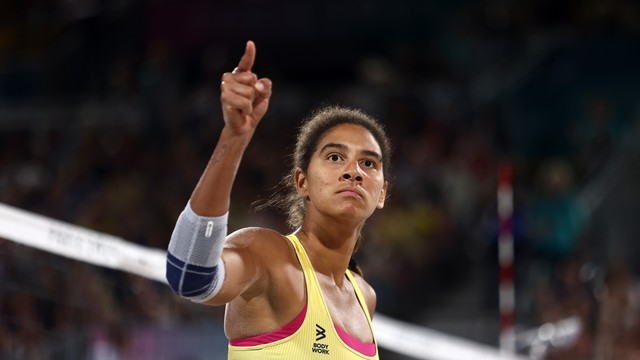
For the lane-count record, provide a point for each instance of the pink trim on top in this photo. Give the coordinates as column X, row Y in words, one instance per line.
column 355, row 344
column 293, row 326
column 276, row 335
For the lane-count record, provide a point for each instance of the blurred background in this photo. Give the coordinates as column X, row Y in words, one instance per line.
column 109, row 111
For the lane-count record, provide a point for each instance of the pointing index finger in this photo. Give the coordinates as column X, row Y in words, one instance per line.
column 246, row 62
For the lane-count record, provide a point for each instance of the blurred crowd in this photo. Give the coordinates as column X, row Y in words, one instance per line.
column 107, row 121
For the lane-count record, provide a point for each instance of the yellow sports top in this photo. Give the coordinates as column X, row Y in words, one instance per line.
column 312, row 335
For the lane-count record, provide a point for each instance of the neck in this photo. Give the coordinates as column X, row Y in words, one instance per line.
column 329, row 247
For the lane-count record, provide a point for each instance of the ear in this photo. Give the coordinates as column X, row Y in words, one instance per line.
column 300, row 179
column 383, row 195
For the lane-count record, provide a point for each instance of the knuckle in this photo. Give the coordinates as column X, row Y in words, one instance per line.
column 251, row 92
column 248, row 77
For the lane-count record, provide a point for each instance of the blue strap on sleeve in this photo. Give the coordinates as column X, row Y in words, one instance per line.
column 194, row 267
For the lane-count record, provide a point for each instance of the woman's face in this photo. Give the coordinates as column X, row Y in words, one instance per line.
column 345, row 178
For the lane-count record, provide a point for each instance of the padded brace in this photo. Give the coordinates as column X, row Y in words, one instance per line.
column 194, row 267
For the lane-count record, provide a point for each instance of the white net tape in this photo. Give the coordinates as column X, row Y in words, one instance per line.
column 101, row 249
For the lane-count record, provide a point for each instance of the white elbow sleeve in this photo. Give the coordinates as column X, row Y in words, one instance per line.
column 195, row 270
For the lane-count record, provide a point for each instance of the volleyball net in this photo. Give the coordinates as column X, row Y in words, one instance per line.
column 98, row 249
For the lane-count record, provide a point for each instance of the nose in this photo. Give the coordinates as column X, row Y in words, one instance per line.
column 352, row 175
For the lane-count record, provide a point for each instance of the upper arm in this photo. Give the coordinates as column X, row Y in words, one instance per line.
column 246, row 269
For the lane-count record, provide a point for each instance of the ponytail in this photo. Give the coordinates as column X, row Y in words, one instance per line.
column 353, row 266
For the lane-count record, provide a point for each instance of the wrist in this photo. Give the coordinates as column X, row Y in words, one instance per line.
column 231, row 145
column 230, row 135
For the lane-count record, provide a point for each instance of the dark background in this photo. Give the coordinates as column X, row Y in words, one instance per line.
column 109, row 111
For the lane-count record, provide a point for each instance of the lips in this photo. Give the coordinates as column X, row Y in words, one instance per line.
column 351, row 191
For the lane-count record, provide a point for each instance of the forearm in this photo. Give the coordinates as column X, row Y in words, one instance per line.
column 211, row 196
column 194, row 267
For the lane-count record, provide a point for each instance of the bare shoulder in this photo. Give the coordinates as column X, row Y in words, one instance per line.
column 263, row 242
column 246, row 236
column 368, row 292
column 252, row 257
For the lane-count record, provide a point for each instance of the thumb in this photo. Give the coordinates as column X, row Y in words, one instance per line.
column 263, row 89
column 263, row 94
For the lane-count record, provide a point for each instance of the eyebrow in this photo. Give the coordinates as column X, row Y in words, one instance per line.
column 344, row 148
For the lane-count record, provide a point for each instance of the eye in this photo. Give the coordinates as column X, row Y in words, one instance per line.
column 368, row 163
column 334, row 157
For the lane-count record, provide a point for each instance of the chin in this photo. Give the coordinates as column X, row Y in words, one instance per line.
column 353, row 213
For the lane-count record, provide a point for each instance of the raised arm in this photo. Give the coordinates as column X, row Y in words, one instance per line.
column 244, row 99
column 195, row 269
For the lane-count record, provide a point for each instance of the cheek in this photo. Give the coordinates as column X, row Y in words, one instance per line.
column 323, row 184
column 317, row 181
column 379, row 181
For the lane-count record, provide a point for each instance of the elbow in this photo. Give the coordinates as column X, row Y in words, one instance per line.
column 192, row 282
